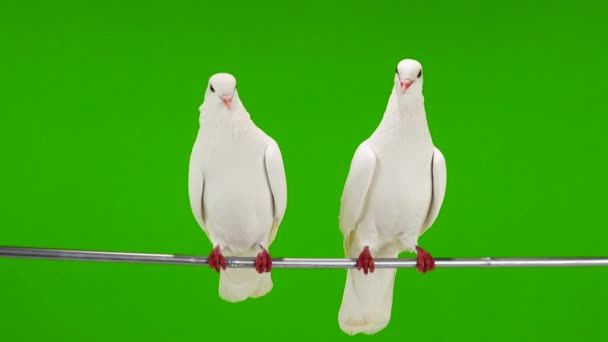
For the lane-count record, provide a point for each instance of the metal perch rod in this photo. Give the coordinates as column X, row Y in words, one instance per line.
column 62, row 254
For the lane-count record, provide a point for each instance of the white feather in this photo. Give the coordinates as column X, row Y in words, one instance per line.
column 275, row 172
column 439, row 185
column 355, row 190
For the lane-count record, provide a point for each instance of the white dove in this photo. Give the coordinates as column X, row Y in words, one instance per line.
column 237, row 189
column 394, row 190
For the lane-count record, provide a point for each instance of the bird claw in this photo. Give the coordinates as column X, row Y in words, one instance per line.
column 263, row 263
column 216, row 259
column 365, row 261
column 425, row 261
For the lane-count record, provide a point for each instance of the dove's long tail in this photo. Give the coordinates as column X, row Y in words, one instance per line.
column 367, row 300
column 238, row 284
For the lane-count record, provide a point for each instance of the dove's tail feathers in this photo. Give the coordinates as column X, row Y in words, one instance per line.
column 367, row 301
column 238, row 284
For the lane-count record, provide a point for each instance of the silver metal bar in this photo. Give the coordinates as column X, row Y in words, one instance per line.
column 62, row 254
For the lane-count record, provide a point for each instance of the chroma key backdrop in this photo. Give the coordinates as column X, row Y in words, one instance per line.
column 100, row 111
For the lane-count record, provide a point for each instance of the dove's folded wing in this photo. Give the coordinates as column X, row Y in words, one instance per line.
column 196, row 186
column 355, row 191
column 439, row 178
column 275, row 171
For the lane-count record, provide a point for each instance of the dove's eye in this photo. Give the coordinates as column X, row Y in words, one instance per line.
column 211, row 88
column 419, row 73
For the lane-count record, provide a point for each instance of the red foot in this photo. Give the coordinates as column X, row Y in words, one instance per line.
column 425, row 261
column 365, row 261
column 263, row 263
column 216, row 259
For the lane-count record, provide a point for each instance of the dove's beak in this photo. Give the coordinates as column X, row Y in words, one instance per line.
column 227, row 101
column 404, row 85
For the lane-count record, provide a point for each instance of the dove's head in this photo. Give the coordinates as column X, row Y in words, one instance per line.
column 408, row 77
column 221, row 90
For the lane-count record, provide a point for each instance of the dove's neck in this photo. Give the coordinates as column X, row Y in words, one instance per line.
column 218, row 118
column 404, row 120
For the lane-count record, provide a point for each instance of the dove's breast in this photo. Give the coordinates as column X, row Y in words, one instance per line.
column 237, row 202
column 400, row 194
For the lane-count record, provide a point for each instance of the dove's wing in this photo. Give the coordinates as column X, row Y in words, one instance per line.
column 196, row 186
column 275, row 171
column 439, row 177
column 355, row 190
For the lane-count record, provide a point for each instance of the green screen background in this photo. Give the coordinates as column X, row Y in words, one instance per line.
column 99, row 113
